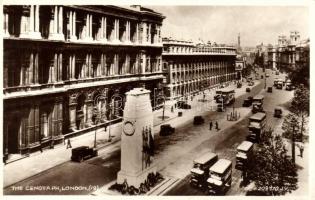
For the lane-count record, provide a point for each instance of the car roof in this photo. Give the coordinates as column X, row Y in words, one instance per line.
column 259, row 96
column 258, row 116
column 80, row 147
column 220, row 166
column 205, row 158
column 245, row 146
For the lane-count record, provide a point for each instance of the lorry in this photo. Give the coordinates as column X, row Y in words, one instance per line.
column 220, row 177
column 200, row 170
column 257, row 123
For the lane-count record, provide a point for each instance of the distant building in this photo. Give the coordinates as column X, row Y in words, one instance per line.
column 192, row 68
column 288, row 52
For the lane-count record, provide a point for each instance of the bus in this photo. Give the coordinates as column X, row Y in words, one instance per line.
column 220, row 177
column 244, row 151
column 226, row 98
column 257, row 123
column 200, row 170
column 258, row 102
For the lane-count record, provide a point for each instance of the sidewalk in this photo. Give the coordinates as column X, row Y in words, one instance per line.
column 38, row 162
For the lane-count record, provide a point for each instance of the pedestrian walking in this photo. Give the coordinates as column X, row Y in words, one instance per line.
column 217, row 125
column 172, row 109
column 210, row 125
column 69, row 144
column 301, row 150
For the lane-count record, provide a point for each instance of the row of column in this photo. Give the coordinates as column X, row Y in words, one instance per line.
column 29, row 27
column 72, row 25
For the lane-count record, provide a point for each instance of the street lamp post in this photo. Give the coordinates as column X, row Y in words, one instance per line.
column 293, row 144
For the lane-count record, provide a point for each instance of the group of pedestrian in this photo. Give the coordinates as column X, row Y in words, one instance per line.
column 216, row 125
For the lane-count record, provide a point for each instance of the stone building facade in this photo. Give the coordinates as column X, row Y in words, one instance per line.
column 289, row 52
column 190, row 68
column 66, row 68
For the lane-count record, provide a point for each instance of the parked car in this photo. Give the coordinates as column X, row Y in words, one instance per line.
column 267, row 75
column 166, row 129
column 183, row 105
column 83, row 152
column 269, row 89
column 289, row 86
column 247, row 89
column 239, row 85
column 198, row 120
column 251, row 83
column 278, row 112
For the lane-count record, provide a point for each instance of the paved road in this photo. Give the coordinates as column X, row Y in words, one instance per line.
column 234, row 136
column 185, row 143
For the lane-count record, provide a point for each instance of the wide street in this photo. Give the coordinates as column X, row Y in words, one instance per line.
column 174, row 153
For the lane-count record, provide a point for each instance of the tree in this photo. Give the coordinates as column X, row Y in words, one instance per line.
column 289, row 122
column 270, row 168
column 300, row 106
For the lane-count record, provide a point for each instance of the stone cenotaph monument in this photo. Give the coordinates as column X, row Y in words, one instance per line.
column 137, row 144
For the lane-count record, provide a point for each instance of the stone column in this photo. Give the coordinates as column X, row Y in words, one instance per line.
column 72, row 111
column 144, row 33
column 143, row 62
column 137, row 33
column 56, row 20
column 70, row 23
column 31, row 22
column 6, row 25
column 104, row 33
column 89, row 104
column 61, row 21
column 149, row 32
column 31, row 69
column 37, row 18
column 73, row 66
column 59, row 67
column 73, row 36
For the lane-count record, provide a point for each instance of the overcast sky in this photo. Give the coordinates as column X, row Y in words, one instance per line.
column 222, row 24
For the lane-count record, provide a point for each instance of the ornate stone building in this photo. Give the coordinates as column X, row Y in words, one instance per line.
column 190, row 68
column 289, row 52
column 66, row 68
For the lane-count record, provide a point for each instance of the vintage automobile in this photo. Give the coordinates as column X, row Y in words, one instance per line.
column 248, row 102
column 166, row 129
column 279, row 84
column 183, row 105
column 257, row 123
column 198, row 120
column 220, row 177
column 200, row 170
column 83, row 152
column 269, row 89
column 275, row 82
column 267, row 75
column 278, row 112
column 244, row 151
column 258, row 101
column 247, row 89
column 289, row 86
column 251, row 83
column 239, row 84
column 217, row 94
